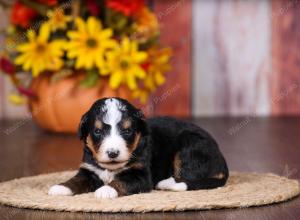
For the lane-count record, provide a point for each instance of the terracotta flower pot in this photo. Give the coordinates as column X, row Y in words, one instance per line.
column 60, row 105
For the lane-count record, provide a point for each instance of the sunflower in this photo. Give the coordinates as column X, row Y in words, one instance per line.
column 141, row 94
column 58, row 20
column 38, row 54
column 17, row 99
column 89, row 43
column 124, row 64
column 158, row 65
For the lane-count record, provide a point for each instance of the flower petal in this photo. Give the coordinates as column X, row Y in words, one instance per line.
column 44, row 32
column 115, row 79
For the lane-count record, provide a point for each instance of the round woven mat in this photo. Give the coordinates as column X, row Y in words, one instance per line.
column 242, row 190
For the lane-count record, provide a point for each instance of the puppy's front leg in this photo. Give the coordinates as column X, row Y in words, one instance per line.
column 84, row 181
column 131, row 181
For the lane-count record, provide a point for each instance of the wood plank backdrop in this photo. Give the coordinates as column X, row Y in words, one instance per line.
column 244, row 56
column 175, row 18
column 232, row 62
column 286, row 58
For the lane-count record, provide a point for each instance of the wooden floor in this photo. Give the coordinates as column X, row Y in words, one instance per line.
column 249, row 144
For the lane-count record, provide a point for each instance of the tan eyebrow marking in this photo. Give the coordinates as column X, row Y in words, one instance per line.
column 126, row 124
column 98, row 124
column 137, row 165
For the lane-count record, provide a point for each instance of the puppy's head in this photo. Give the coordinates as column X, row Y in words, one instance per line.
column 112, row 130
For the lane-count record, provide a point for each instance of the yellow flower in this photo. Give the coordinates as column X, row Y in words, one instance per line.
column 141, row 94
column 89, row 43
column 158, row 65
column 38, row 54
column 58, row 20
column 16, row 99
column 123, row 63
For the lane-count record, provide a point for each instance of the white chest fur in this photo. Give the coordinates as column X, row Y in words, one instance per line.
column 105, row 175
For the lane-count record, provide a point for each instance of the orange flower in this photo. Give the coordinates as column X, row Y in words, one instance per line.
column 126, row 7
column 22, row 15
column 145, row 18
column 146, row 25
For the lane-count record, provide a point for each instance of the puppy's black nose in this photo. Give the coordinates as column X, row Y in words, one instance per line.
column 113, row 154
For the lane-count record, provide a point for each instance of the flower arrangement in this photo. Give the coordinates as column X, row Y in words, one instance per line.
column 112, row 39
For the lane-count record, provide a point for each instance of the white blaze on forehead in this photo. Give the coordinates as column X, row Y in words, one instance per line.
column 113, row 141
column 113, row 114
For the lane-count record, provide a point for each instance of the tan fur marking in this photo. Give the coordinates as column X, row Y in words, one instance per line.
column 90, row 145
column 98, row 124
column 119, row 187
column 177, row 166
column 137, row 166
column 126, row 124
column 219, row 176
column 135, row 142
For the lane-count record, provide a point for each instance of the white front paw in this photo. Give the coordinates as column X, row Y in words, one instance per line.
column 106, row 192
column 60, row 190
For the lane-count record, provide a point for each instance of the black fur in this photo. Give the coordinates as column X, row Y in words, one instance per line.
column 198, row 152
column 165, row 144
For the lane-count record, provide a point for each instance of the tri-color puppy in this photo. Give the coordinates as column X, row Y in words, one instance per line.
column 126, row 154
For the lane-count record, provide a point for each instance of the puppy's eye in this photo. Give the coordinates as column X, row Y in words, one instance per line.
column 127, row 132
column 97, row 131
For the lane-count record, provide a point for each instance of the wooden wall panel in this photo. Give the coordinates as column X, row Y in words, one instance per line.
column 174, row 98
column 231, row 57
column 286, row 58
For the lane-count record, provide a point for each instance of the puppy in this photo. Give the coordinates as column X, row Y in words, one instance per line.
column 126, row 154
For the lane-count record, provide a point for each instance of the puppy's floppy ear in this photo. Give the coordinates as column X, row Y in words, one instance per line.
column 139, row 114
column 142, row 124
column 83, row 129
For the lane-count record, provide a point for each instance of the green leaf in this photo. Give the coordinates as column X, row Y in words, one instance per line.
column 117, row 21
column 61, row 75
column 39, row 7
column 91, row 79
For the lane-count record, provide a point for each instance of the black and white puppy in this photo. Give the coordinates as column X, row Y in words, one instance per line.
column 126, row 154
